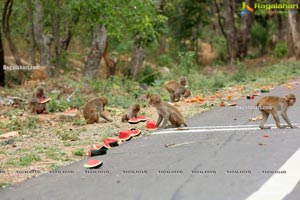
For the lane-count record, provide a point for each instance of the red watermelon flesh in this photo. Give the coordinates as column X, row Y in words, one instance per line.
column 133, row 121
column 134, row 132
column 45, row 100
column 111, row 142
column 125, row 135
column 92, row 163
column 151, row 125
column 141, row 118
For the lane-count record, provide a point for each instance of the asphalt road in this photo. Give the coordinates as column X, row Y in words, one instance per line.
column 223, row 157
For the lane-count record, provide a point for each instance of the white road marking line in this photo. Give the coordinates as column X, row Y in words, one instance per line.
column 228, row 126
column 279, row 185
column 212, row 129
column 204, row 130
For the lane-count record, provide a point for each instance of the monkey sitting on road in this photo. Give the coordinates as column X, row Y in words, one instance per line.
column 166, row 112
column 270, row 105
column 131, row 113
column 93, row 109
column 176, row 89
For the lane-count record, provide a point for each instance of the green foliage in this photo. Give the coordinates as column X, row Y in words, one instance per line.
column 241, row 74
column 16, row 123
column 186, row 62
column 281, row 50
column 71, row 134
column 28, row 159
column 149, row 75
column 57, row 105
column 260, row 36
column 78, row 152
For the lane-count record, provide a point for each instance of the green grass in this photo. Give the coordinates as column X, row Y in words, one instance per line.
column 78, row 152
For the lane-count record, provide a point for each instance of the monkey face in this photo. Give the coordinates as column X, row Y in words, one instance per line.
column 183, row 81
column 154, row 100
column 104, row 101
column 291, row 99
column 136, row 108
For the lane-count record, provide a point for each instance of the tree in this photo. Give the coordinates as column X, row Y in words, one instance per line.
column 114, row 20
column 42, row 39
column 294, row 22
column 237, row 38
column 96, row 51
column 6, row 29
column 2, row 73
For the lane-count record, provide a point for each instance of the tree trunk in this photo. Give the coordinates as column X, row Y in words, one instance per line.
column 6, row 29
column 56, row 33
column 2, row 73
column 111, row 64
column 31, row 32
column 231, row 35
column 43, row 41
column 294, row 22
column 96, row 52
column 244, row 32
column 137, row 60
column 65, row 41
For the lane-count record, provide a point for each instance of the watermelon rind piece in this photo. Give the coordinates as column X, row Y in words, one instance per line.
column 45, row 100
column 96, row 152
column 93, row 163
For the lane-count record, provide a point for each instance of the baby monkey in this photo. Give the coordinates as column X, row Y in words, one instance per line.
column 166, row 112
column 270, row 105
column 34, row 103
column 131, row 113
column 93, row 109
column 176, row 89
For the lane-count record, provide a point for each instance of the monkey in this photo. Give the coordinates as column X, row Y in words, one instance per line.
column 166, row 112
column 131, row 113
column 93, row 109
column 270, row 105
column 176, row 89
column 34, row 103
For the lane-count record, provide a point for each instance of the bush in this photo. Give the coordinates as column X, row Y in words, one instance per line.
column 281, row 50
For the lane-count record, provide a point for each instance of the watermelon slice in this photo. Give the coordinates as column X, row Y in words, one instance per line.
column 133, row 121
column 134, row 132
column 151, row 125
column 99, row 146
column 110, row 142
column 125, row 135
column 93, row 163
column 45, row 100
column 71, row 110
column 96, row 152
column 137, row 120
column 141, row 118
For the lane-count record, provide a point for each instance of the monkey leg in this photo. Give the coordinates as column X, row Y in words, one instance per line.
column 172, row 97
column 286, row 119
column 175, row 120
column 159, row 120
column 276, row 118
column 166, row 118
column 265, row 117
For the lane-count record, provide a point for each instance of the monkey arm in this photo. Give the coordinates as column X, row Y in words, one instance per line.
column 159, row 120
column 166, row 119
column 286, row 119
column 101, row 110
